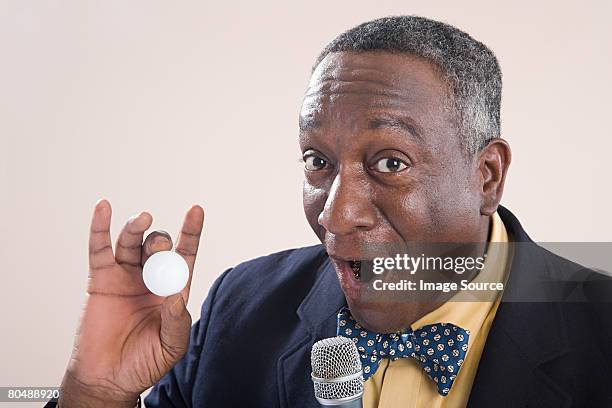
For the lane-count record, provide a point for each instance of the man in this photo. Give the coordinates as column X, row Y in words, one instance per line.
column 400, row 134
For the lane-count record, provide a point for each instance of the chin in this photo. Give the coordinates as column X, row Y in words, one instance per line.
column 378, row 316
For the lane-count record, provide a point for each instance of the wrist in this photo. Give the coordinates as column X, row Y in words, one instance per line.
column 75, row 394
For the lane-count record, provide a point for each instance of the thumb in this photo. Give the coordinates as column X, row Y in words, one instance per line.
column 175, row 328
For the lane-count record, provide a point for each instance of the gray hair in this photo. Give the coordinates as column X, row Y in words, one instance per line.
column 469, row 68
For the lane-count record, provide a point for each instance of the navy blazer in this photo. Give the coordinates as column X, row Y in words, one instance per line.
column 251, row 346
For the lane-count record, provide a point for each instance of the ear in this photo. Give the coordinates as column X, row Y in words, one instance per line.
column 493, row 162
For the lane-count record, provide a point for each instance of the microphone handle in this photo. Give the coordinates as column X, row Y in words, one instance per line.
column 356, row 403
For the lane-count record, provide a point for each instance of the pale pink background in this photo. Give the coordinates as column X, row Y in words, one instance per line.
column 157, row 105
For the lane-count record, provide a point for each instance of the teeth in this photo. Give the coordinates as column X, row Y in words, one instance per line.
column 356, row 267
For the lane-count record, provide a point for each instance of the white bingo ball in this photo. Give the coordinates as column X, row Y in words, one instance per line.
column 165, row 273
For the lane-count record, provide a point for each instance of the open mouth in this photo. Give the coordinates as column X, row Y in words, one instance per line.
column 356, row 268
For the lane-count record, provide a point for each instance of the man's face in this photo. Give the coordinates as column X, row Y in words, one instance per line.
column 383, row 165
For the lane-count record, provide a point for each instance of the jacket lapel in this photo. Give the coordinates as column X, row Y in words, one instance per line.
column 523, row 337
column 317, row 315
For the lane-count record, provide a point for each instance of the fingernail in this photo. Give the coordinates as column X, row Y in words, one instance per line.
column 160, row 239
column 100, row 208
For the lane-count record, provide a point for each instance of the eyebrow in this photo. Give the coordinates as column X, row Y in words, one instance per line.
column 396, row 122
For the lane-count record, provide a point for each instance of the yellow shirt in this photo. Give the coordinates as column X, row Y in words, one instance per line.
column 403, row 383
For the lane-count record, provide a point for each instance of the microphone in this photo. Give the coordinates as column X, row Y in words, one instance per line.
column 337, row 373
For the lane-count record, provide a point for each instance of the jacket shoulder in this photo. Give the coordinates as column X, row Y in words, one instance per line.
column 279, row 265
column 588, row 284
column 282, row 278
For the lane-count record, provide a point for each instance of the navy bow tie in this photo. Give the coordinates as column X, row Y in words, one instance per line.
column 440, row 348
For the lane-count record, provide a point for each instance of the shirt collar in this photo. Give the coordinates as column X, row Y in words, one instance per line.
column 458, row 309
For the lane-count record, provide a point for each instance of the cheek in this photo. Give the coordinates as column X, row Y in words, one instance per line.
column 458, row 205
column 411, row 214
column 313, row 199
column 425, row 213
column 456, row 213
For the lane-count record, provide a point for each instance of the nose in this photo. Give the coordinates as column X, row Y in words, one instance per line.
column 348, row 207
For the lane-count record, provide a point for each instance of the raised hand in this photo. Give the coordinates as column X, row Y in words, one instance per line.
column 128, row 338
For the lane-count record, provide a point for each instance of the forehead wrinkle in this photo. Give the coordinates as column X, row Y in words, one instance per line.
column 341, row 85
column 353, row 85
column 355, row 69
column 392, row 97
column 317, row 106
column 374, row 92
column 348, row 73
column 399, row 92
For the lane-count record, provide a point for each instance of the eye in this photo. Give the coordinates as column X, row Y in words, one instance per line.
column 390, row 165
column 313, row 162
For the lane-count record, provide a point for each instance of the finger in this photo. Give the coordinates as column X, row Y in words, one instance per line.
column 189, row 241
column 175, row 328
column 128, row 250
column 156, row 241
column 100, row 247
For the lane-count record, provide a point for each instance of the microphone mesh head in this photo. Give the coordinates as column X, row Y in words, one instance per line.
column 334, row 359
